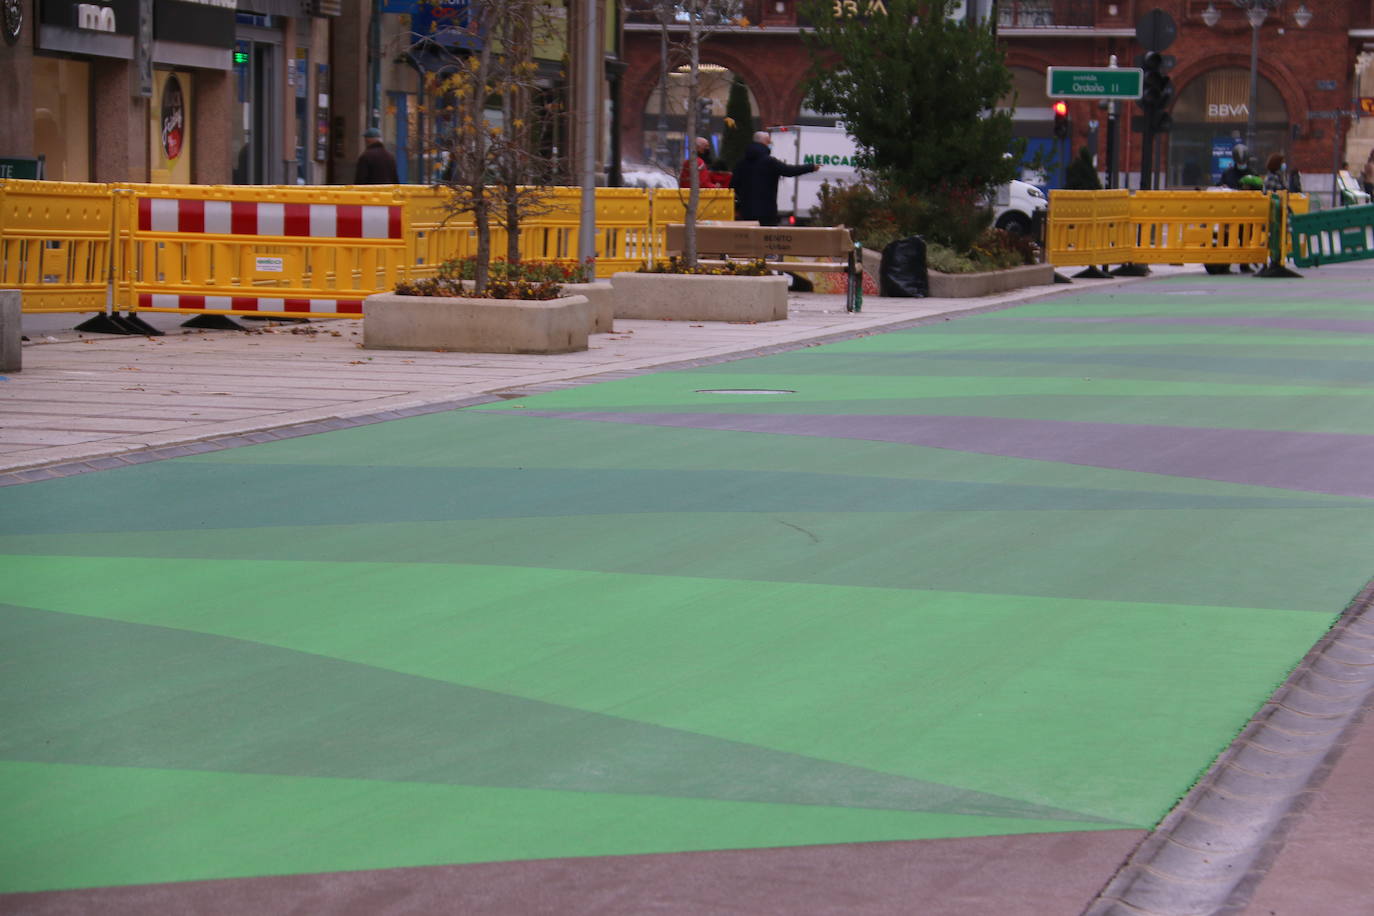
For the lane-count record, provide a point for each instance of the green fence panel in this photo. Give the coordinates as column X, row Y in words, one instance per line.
column 1332, row 236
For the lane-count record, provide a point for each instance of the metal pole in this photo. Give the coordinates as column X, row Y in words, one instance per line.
column 1336, row 160
column 663, row 95
column 1111, row 145
column 1254, row 87
column 588, row 72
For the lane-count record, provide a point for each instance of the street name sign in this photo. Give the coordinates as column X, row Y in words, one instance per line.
column 1094, row 82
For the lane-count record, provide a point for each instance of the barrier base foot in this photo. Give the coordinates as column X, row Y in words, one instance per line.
column 1091, row 273
column 140, row 326
column 213, row 323
column 274, row 318
column 1131, row 270
column 1060, row 278
column 1278, row 270
column 106, row 324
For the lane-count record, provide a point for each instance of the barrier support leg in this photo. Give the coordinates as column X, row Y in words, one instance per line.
column 213, row 323
column 1273, row 270
column 1131, row 270
column 140, row 326
column 1092, row 272
column 107, row 324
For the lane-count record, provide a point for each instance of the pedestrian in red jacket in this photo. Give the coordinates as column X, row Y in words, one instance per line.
column 709, row 179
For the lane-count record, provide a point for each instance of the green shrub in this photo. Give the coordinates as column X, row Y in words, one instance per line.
column 996, row 249
column 880, row 213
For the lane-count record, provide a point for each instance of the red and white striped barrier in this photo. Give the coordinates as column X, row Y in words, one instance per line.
column 277, row 253
column 232, row 217
column 173, row 302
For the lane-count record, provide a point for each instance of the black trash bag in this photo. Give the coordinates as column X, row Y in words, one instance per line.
column 903, row 269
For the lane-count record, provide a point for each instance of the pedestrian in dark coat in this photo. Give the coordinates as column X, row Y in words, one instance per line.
column 376, row 165
column 756, row 181
column 1239, row 168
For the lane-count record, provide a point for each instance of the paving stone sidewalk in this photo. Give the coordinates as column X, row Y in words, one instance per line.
column 83, row 397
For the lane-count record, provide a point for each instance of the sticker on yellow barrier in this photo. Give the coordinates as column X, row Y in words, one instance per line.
column 269, row 265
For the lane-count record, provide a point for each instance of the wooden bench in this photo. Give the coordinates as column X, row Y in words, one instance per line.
column 718, row 245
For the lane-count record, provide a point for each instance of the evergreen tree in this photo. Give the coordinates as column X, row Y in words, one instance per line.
column 1081, row 174
column 920, row 100
column 737, row 137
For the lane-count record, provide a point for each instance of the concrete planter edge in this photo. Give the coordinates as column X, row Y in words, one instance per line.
column 462, row 324
column 700, row 297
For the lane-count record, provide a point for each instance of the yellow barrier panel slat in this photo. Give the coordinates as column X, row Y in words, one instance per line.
column 55, row 244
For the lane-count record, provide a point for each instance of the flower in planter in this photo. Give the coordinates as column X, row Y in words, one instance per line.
column 676, row 265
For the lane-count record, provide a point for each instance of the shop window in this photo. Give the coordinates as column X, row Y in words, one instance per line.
column 62, row 117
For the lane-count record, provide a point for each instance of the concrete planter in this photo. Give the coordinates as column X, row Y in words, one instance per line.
column 601, row 295
column 700, row 297
column 392, row 322
column 966, row 286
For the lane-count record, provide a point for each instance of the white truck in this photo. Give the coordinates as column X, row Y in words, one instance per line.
column 832, row 149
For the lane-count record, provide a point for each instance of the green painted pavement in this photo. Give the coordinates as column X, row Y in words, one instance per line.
column 481, row 636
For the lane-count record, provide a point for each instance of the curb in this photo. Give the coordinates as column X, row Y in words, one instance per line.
column 1211, row 851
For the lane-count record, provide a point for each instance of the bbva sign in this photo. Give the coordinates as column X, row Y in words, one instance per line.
column 1226, row 111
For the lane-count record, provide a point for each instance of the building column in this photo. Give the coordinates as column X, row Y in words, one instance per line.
column 120, row 150
column 16, row 75
column 212, row 162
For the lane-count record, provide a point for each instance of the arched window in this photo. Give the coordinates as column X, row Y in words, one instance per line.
column 1210, row 118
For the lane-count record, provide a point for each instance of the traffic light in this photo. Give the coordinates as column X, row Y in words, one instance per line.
column 1158, row 88
column 1061, row 119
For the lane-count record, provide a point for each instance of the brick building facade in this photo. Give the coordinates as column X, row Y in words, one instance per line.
column 1302, row 69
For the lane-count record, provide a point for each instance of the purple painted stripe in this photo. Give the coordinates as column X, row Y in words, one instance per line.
column 1339, row 325
column 1337, row 463
column 1035, row 873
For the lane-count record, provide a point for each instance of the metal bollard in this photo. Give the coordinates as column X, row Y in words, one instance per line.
column 11, row 353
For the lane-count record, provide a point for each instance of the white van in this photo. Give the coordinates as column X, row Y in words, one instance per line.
column 1014, row 204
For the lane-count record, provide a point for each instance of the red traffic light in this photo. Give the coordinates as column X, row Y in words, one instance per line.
column 1061, row 120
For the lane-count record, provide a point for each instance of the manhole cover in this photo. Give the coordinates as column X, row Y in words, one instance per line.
column 745, row 391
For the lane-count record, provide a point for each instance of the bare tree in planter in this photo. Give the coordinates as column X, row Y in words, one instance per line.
column 495, row 167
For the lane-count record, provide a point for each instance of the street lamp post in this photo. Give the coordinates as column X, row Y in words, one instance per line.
column 1256, row 11
column 666, row 10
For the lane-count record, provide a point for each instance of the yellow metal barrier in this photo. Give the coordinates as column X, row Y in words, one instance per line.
column 288, row 252
column 1200, row 227
column 56, row 245
column 1157, row 227
column 433, row 236
column 1087, row 228
column 284, row 250
column 669, row 205
column 622, row 223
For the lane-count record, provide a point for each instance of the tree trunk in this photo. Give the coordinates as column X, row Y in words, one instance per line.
column 689, row 232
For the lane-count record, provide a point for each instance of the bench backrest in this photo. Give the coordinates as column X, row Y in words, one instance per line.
column 761, row 241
